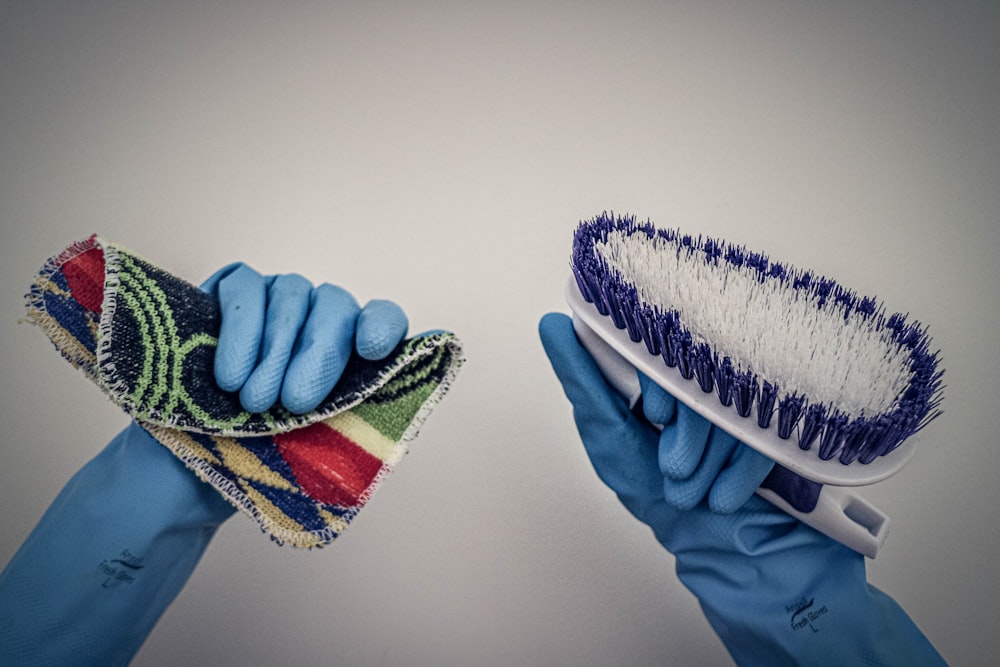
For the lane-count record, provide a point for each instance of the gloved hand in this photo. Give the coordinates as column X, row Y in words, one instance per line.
column 283, row 338
column 124, row 535
column 775, row 591
column 699, row 461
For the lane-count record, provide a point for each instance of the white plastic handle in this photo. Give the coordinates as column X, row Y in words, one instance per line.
column 842, row 515
column 839, row 513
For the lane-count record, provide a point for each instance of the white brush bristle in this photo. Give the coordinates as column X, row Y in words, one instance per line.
column 827, row 353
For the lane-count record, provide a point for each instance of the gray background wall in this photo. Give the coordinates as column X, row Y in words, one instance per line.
column 440, row 154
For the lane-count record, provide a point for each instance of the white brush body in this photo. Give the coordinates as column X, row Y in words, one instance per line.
column 840, row 514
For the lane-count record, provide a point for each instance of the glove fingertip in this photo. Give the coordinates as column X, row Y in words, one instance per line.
column 260, row 391
column 299, row 403
column 311, row 376
column 381, row 326
column 231, row 370
column 722, row 500
column 658, row 405
column 549, row 325
column 738, row 482
column 253, row 404
column 678, row 458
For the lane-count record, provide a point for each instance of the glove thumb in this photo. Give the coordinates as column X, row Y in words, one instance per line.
column 621, row 447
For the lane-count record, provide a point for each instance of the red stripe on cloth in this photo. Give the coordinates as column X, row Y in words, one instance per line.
column 85, row 277
column 329, row 466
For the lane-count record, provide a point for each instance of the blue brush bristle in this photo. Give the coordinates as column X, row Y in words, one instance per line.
column 830, row 431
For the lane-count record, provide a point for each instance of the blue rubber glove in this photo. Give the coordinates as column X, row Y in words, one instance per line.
column 111, row 553
column 775, row 591
column 282, row 338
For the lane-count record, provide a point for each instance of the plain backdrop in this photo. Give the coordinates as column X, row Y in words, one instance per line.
column 440, row 154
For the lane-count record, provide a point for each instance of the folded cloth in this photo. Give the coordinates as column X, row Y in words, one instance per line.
column 147, row 338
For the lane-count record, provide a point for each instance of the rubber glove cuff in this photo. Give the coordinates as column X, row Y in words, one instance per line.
column 107, row 558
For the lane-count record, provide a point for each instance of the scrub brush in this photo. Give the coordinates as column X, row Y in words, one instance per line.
column 817, row 378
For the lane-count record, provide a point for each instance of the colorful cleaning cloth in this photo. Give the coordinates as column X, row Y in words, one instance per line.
column 148, row 338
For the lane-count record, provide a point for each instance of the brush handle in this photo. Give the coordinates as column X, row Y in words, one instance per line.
column 838, row 513
column 841, row 515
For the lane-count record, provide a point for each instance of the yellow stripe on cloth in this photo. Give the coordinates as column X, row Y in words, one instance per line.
column 367, row 436
column 247, row 466
column 271, row 511
column 335, row 522
column 74, row 351
column 182, row 439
